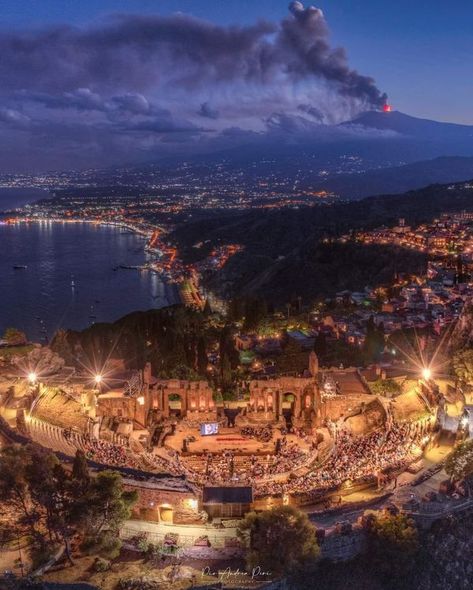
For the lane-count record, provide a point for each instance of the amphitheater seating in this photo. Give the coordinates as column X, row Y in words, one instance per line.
column 49, row 436
column 58, row 408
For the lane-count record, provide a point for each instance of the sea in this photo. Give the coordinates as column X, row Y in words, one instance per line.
column 72, row 277
column 11, row 198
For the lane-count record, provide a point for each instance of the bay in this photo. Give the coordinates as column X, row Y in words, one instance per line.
column 70, row 281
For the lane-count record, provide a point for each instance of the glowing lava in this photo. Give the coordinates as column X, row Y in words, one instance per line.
column 387, row 108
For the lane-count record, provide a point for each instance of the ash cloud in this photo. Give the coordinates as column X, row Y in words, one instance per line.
column 206, row 110
column 146, row 81
column 305, row 37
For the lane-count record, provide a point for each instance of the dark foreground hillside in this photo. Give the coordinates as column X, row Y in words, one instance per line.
column 316, row 270
column 283, row 255
column 443, row 562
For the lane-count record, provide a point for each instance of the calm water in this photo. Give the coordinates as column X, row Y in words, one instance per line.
column 70, row 277
column 10, row 198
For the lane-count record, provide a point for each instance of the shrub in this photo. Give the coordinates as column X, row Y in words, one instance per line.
column 40, row 554
column 106, row 544
column 101, row 565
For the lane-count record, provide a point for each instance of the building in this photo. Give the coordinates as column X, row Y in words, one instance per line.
column 223, row 502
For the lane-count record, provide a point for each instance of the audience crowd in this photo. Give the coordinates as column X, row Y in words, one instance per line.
column 353, row 459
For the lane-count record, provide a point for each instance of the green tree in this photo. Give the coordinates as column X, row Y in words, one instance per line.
column 14, row 491
column 207, row 311
column 183, row 372
column 294, row 358
column 388, row 387
column 374, row 340
column 60, row 345
column 37, row 489
column 226, row 371
column 202, row 360
column 236, row 310
column 459, row 464
column 15, row 337
column 102, row 510
column 463, row 365
column 255, row 312
column 279, row 541
column 50, row 490
column 320, row 345
column 80, row 472
column 393, row 546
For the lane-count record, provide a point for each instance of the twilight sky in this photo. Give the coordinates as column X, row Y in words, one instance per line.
column 95, row 83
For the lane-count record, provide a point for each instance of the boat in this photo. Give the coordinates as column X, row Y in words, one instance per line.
column 20, row 266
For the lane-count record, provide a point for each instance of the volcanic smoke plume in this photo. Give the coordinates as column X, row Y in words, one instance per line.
column 305, row 38
column 134, row 82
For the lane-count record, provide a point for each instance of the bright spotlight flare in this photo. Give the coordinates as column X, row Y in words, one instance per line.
column 32, row 377
column 426, row 374
column 98, row 379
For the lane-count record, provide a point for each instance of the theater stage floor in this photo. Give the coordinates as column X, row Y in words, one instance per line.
column 228, row 439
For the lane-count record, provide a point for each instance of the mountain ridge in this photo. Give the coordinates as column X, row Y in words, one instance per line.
column 409, row 125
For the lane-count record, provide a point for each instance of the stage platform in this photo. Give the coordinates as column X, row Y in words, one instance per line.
column 228, row 439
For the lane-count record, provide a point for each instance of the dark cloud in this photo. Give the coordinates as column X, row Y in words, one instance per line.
column 132, row 51
column 305, row 37
column 164, row 124
column 207, row 111
column 136, row 83
column 14, row 118
column 132, row 103
column 145, row 52
column 82, row 99
column 314, row 112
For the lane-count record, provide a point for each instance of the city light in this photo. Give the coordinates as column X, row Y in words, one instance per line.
column 426, row 374
column 32, row 377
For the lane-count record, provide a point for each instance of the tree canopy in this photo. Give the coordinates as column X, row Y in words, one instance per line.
column 279, row 540
column 14, row 337
column 387, row 387
column 51, row 504
column 463, row 365
column 393, row 545
column 460, row 462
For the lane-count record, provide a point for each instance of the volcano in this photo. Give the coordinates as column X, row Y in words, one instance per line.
column 413, row 127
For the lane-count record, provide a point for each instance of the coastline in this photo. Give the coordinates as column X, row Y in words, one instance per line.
column 177, row 291
column 48, row 295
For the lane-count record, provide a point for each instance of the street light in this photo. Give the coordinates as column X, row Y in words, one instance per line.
column 426, row 374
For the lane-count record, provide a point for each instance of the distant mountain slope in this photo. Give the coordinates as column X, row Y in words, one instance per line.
column 400, row 179
column 411, row 126
column 283, row 253
column 290, row 156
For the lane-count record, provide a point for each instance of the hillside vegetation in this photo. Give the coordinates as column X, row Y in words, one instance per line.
column 284, row 253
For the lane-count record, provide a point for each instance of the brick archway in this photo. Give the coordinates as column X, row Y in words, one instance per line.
column 268, row 395
column 196, row 397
